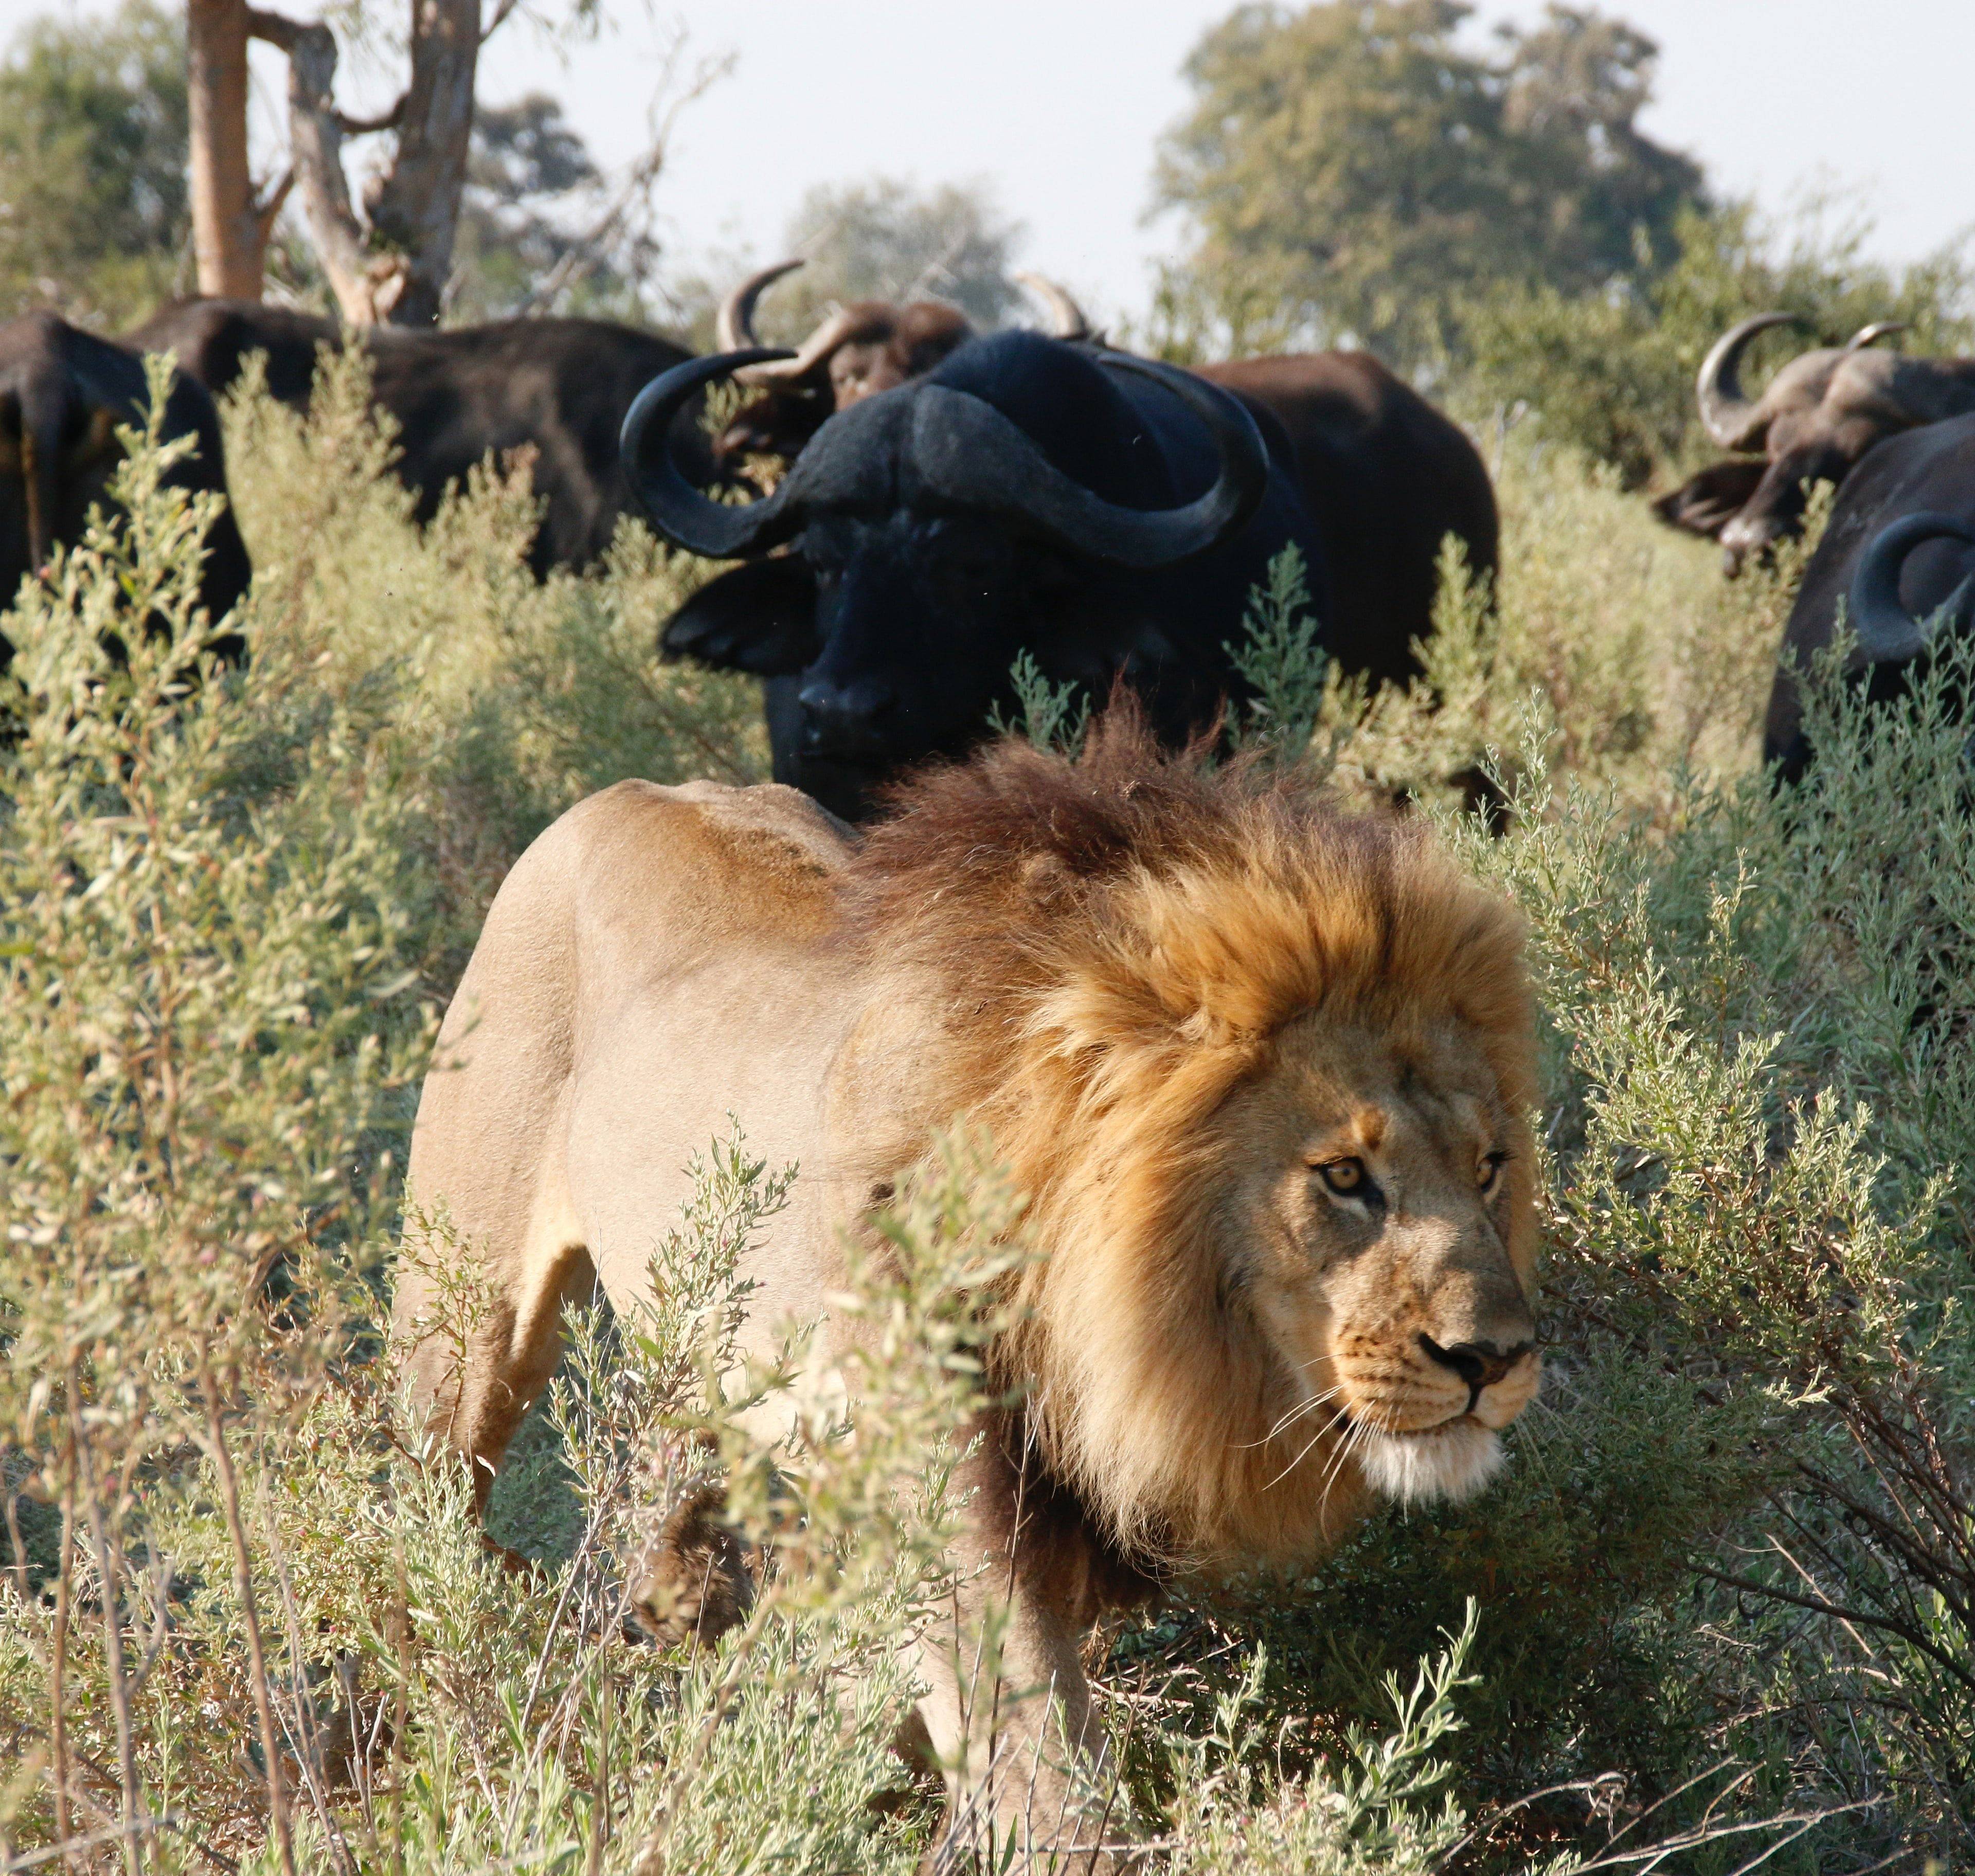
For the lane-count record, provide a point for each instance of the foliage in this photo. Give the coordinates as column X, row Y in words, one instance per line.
column 527, row 168
column 1350, row 170
column 1052, row 715
column 1280, row 656
column 520, row 696
column 1611, row 371
column 96, row 219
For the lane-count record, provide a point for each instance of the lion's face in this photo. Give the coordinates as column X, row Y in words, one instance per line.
column 1379, row 1199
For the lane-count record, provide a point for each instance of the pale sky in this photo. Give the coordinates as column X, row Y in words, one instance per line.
column 1057, row 104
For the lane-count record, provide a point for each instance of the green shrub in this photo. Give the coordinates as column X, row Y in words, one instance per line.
column 1720, row 1599
column 1611, row 372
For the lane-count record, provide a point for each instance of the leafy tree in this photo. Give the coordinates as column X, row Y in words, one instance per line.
column 517, row 248
column 1350, row 170
column 882, row 238
column 93, row 216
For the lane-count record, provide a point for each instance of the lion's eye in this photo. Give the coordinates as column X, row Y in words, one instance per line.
column 1490, row 1171
column 1346, row 1177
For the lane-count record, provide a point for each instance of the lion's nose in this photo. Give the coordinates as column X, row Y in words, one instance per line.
column 1479, row 1363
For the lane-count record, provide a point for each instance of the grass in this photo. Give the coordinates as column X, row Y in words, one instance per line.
column 1719, row 1609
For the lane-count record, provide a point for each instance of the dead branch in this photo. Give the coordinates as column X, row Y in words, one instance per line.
column 586, row 250
column 315, row 134
column 385, row 121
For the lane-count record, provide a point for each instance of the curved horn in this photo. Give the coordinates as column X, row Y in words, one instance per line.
column 679, row 511
column 1067, row 320
column 792, row 366
column 1725, row 412
column 1888, row 633
column 965, row 451
column 1869, row 335
column 734, row 325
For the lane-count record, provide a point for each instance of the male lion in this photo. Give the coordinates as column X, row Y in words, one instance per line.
column 1260, row 1067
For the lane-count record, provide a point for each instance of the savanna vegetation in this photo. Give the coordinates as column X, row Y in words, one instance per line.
column 1720, row 1612
column 1718, row 1609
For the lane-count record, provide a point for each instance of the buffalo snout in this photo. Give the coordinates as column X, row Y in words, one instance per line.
column 849, row 719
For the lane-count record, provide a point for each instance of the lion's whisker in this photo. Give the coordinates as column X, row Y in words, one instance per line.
column 1351, row 1429
column 1307, row 1406
column 1360, row 1434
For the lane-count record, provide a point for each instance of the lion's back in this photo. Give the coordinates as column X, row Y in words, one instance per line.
column 680, row 869
column 645, row 912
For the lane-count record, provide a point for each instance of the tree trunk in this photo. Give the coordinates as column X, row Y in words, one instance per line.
column 315, row 133
column 397, row 267
column 229, row 235
column 414, row 206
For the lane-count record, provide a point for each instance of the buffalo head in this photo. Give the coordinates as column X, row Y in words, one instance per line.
column 1022, row 497
column 858, row 350
column 1814, row 420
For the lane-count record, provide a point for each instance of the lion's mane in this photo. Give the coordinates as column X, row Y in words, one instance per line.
column 1112, row 945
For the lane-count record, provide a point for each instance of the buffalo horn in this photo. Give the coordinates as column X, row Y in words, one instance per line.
column 677, row 510
column 1725, row 412
column 964, row 451
column 1888, row 633
column 1879, row 328
column 790, row 367
column 734, row 325
column 1067, row 320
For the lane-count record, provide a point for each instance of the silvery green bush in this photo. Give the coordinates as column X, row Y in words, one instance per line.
column 1717, row 1609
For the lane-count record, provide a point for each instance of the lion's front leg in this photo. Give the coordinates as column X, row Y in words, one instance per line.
column 1008, row 1714
column 1007, row 1709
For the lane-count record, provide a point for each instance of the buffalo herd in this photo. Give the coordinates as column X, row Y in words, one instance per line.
column 915, row 505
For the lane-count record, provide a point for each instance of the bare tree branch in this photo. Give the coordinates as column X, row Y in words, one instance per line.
column 384, row 120
column 315, row 134
column 269, row 206
column 504, row 10
column 586, row 250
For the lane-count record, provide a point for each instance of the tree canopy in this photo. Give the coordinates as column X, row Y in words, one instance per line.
column 93, row 216
column 1353, row 169
column 528, row 168
column 884, row 239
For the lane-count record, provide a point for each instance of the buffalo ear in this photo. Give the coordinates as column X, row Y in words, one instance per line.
column 1705, row 504
column 759, row 618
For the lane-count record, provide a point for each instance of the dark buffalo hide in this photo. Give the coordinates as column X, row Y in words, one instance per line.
column 63, row 393
column 1386, row 478
column 558, row 387
column 1898, row 508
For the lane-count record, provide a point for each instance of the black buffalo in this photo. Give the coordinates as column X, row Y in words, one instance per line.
column 1107, row 515
column 559, row 387
column 213, row 339
column 1386, row 478
column 1897, row 551
column 1814, row 422
column 63, row 393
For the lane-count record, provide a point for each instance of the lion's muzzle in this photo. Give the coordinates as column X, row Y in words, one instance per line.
column 1425, row 1422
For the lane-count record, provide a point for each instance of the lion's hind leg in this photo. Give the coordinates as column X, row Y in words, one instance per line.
column 481, row 1341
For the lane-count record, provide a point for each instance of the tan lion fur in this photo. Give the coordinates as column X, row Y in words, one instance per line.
column 1118, row 944
column 1175, row 994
